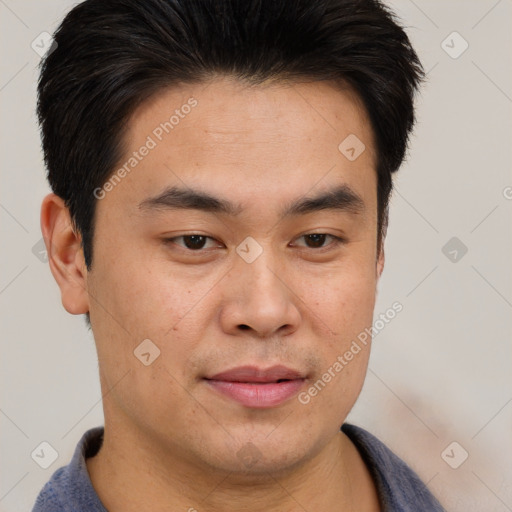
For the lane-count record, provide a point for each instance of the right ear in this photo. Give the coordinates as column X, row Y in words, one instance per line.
column 65, row 254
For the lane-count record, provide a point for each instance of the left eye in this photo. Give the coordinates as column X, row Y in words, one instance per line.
column 317, row 240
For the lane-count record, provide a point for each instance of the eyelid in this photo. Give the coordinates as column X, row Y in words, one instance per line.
column 337, row 241
column 198, row 251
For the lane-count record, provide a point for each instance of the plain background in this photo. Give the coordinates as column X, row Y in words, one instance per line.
column 439, row 372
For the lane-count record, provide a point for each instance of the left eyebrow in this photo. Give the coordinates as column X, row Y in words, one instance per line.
column 341, row 198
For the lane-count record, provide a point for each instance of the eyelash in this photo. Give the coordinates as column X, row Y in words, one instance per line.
column 337, row 241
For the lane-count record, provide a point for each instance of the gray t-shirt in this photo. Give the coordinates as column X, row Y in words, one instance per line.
column 399, row 488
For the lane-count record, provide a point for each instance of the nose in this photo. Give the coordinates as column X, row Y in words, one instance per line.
column 260, row 299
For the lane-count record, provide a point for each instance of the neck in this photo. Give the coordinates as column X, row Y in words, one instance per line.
column 134, row 473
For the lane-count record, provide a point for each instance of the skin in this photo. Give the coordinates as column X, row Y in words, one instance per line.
column 171, row 441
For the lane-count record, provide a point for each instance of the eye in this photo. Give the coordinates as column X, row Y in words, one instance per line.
column 197, row 242
column 317, row 240
column 193, row 242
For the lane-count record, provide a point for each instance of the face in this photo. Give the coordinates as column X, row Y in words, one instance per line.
column 241, row 245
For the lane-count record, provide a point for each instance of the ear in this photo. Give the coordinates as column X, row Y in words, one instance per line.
column 384, row 230
column 65, row 254
column 380, row 260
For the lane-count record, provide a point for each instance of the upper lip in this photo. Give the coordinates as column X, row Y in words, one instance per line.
column 255, row 374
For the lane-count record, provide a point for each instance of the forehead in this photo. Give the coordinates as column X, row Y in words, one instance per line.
column 248, row 140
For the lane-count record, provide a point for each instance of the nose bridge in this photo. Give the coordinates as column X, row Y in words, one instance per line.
column 261, row 299
column 258, row 266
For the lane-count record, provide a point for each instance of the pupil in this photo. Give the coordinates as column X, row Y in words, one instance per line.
column 318, row 239
column 194, row 241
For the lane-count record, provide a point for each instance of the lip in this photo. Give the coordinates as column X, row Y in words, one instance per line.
column 258, row 388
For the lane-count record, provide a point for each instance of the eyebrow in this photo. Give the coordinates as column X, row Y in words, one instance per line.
column 341, row 198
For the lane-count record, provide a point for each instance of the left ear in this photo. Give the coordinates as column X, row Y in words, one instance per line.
column 380, row 260
column 384, row 230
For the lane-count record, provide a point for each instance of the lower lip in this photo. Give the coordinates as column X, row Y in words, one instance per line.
column 258, row 395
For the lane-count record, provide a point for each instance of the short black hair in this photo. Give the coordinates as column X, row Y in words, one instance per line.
column 112, row 55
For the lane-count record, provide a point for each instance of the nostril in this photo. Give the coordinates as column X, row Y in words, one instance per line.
column 244, row 327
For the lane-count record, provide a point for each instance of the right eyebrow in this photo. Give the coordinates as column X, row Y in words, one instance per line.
column 181, row 198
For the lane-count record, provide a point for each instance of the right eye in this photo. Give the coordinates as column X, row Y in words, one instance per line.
column 193, row 242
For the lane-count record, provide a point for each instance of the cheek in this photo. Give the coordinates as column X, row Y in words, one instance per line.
column 345, row 353
column 344, row 300
column 145, row 299
column 136, row 304
column 142, row 302
column 345, row 305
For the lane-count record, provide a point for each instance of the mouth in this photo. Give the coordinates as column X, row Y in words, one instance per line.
column 258, row 388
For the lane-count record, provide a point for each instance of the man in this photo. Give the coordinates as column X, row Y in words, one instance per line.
column 221, row 173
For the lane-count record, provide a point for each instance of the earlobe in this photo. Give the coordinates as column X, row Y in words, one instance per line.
column 65, row 255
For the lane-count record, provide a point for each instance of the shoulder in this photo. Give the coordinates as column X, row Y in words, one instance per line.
column 398, row 486
column 70, row 488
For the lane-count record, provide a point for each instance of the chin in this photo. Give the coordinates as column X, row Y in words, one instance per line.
column 264, row 453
